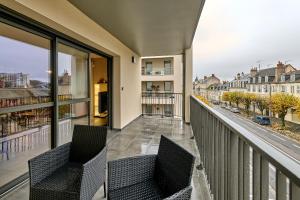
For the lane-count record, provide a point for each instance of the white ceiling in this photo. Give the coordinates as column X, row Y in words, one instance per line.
column 148, row 27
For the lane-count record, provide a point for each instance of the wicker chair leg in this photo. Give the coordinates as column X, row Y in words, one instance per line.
column 104, row 189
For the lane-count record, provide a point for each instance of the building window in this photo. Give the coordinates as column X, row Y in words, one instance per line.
column 266, row 88
column 283, row 89
column 148, row 109
column 259, row 79
column 253, row 79
column 168, row 86
column 282, row 78
column 298, row 89
column 168, row 67
column 266, row 79
column 292, row 89
column 168, row 110
column 259, row 88
column 149, row 85
column 254, row 88
column 293, row 77
column 148, row 68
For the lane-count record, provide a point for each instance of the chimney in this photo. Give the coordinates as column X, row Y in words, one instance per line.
column 238, row 76
column 253, row 71
column 279, row 70
column 212, row 75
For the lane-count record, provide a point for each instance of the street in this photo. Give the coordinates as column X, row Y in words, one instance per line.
column 282, row 143
column 286, row 145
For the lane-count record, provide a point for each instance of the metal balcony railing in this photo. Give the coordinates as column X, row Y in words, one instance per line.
column 162, row 72
column 32, row 138
column 238, row 164
column 164, row 104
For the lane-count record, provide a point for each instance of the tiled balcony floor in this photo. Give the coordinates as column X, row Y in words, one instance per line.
column 142, row 137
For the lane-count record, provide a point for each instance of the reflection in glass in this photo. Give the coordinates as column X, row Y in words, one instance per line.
column 24, row 68
column 72, row 73
column 24, row 80
column 69, row 115
column 23, row 135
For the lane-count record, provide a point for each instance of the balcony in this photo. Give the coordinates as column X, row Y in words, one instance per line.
column 161, row 72
column 239, row 164
column 164, row 104
column 142, row 137
column 236, row 163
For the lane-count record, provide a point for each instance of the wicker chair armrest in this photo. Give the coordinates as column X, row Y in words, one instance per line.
column 184, row 194
column 129, row 171
column 45, row 164
column 94, row 174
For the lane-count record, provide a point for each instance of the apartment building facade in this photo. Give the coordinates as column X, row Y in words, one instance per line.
column 282, row 78
column 239, row 83
column 162, row 85
column 215, row 91
column 201, row 86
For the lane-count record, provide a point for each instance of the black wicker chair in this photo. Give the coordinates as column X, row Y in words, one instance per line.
column 166, row 175
column 75, row 170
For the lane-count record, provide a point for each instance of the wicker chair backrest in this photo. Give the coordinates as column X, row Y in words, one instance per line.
column 87, row 142
column 174, row 167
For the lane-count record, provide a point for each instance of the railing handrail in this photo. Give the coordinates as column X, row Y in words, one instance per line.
column 159, row 92
column 288, row 165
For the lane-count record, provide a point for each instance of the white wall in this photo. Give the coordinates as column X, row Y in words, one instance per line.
column 158, row 64
column 64, row 17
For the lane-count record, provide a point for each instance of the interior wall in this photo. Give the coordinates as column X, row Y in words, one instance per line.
column 99, row 71
column 64, row 17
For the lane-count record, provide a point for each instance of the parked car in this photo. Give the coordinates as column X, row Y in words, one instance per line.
column 215, row 102
column 262, row 120
column 235, row 110
column 228, row 107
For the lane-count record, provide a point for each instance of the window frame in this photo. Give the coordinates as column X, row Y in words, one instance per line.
column 165, row 68
column 146, row 67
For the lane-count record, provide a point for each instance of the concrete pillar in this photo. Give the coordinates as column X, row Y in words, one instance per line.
column 187, row 82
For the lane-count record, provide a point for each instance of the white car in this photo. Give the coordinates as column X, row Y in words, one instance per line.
column 228, row 107
column 235, row 110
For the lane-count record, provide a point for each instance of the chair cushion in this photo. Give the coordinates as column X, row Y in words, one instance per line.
column 66, row 179
column 147, row 190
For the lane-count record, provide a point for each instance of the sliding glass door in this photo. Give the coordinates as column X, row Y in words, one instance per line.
column 73, row 87
column 44, row 92
column 25, row 100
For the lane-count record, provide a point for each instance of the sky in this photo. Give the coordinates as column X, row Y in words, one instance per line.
column 234, row 35
column 20, row 57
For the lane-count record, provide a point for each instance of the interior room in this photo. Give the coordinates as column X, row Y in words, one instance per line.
column 99, row 90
